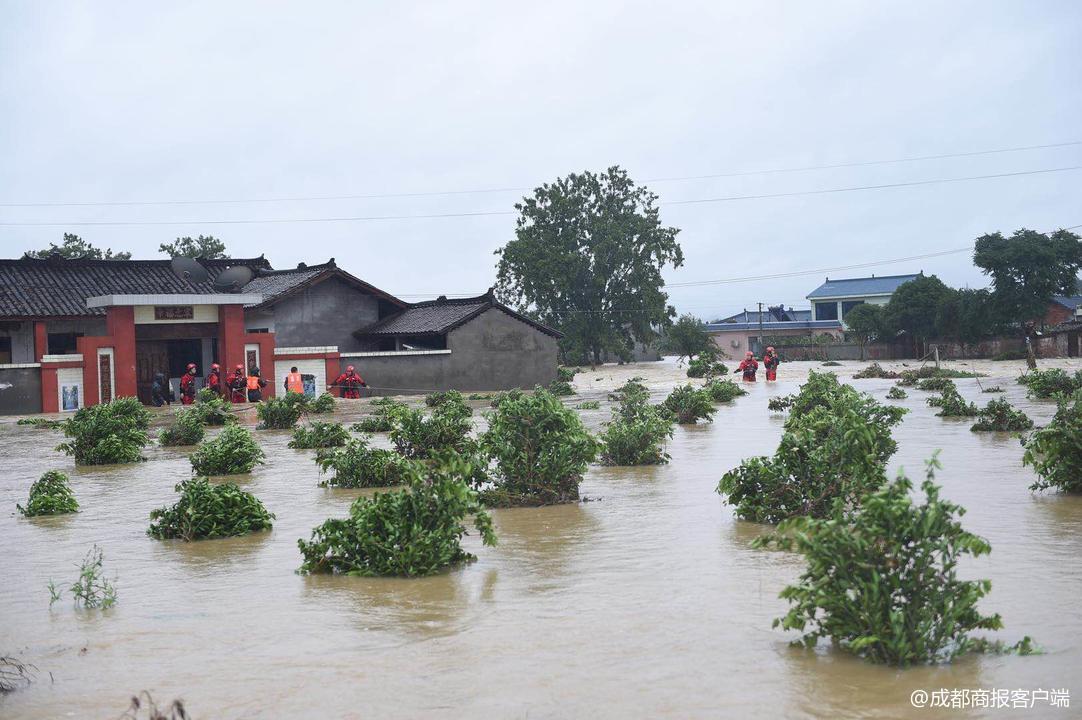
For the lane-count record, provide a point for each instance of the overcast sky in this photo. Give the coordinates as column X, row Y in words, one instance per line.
column 108, row 101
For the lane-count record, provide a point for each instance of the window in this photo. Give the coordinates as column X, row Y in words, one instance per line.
column 257, row 330
column 826, row 311
column 5, row 350
column 63, row 343
column 848, row 305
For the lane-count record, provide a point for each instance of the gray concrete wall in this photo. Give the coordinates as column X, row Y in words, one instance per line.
column 20, row 391
column 325, row 314
column 22, row 340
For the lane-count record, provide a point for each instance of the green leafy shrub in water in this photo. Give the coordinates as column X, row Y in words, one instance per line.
column 319, row 435
column 993, row 389
column 896, row 393
column 952, row 404
column 50, row 495
column 831, row 363
column 92, row 589
column 541, row 450
column 321, row 405
column 43, row 423
column 633, row 391
column 566, row 374
column 448, row 397
column 588, row 405
column 385, row 418
column 356, row 465
column 409, row 532
column 207, row 510
column 689, row 405
column 233, row 452
column 706, row 365
column 779, row 403
column 561, row 388
column 936, row 384
column 912, row 377
column 109, row 433
column 723, row 390
column 1044, row 384
column 481, row 396
column 833, row 451
column 207, row 395
column 636, row 435
column 186, row 428
column 280, row 413
column 875, row 370
column 416, row 436
column 882, row 582
column 998, row 415
column 213, row 411
column 1055, row 451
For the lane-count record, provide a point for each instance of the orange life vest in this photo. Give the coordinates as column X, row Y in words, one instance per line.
column 294, row 383
column 253, row 382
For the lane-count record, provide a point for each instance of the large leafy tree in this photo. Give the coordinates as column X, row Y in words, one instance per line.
column 687, row 337
column 75, row 248
column 914, row 306
column 1027, row 269
column 865, row 324
column 207, row 247
column 966, row 316
column 587, row 258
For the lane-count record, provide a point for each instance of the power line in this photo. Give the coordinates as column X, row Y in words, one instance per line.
column 479, row 191
column 483, row 213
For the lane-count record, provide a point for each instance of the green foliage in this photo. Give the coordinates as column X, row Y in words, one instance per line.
column 883, row 583
column 588, row 405
column 448, row 428
column 587, row 259
column 75, row 248
column 865, row 324
column 206, row 247
column 896, row 393
column 50, row 495
column 207, row 510
column 1055, row 451
column 489, row 396
column 561, row 388
column 409, row 532
column 723, row 390
column 912, row 377
column 936, row 384
column 966, row 316
column 280, row 413
column 108, row 433
column 206, row 395
column 1027, row 269
column 323, row 404
column 1043, row 384
column 186, row 428
column 387, row 412
column 637, row 432
column 952, row 404
column 993, row 389
column 233, row 452
column 357, row 465
column 689, row 405
column 319, row 435
column 831, row 363
column 449, row 397
column 541, row 450
column 999, row 416
column 913, row 306
column 687, row 337
column 43, row 423
column 212, row 409
column 566, row 374
column 92, row 589
column 633, row 391
column 834, row 450
column 875, row 370
column 707, row 365
column 780, row 403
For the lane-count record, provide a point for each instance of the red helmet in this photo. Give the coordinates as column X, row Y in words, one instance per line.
column 240, row 368
column 349, row 369
column 749, row 354
column 770, row 348
column 191, row 366
column 214, row 367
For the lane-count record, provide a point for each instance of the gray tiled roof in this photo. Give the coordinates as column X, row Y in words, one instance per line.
column 278, row 282
column 856, row 287
column 436, row 317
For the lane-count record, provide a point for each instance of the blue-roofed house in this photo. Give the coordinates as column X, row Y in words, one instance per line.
column 835, row 298
column 739, row 333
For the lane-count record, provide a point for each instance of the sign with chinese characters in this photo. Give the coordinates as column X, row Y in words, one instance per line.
column 174, row 312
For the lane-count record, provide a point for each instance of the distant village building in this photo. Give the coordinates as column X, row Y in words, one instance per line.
column 835, row 298
column 81, row 332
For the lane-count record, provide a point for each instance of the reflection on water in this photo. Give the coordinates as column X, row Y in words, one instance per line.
column 648, row 602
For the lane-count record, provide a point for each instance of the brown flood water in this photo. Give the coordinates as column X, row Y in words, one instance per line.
column 646, row 603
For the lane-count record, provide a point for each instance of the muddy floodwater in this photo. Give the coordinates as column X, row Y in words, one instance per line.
column 649, row 602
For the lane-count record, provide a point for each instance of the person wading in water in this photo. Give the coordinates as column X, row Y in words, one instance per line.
column 748, row 366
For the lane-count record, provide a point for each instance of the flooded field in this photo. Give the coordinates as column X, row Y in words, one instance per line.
column 648, row 602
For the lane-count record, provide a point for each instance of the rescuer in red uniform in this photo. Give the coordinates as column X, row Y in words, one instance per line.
column 748, row 366
column 349, row 384
column 214, row 380
column 771, row 362
column 238, row 386
column 187, row 385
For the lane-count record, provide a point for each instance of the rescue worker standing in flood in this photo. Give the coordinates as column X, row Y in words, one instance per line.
column 160, row 394
column 238, row 386
column 748, row 366
column 214, row 380
column 350, row 384
column 255, row 386
column 294, row 382
column 187, row 385
column 771, row 362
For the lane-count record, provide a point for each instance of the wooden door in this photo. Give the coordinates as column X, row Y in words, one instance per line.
column 151, row 358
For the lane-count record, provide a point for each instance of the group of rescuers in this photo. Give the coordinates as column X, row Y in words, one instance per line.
column 749, row 365
column 244, row 387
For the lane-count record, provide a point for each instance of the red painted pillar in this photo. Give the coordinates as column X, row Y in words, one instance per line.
column 41, row 340
column 120, row 326
column 230, row 338
column 333, row 366
column 50, row 403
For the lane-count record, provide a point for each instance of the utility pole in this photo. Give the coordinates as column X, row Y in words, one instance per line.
column 760, row 329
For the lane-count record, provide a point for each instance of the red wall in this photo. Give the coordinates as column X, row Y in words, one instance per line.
column 120, row 326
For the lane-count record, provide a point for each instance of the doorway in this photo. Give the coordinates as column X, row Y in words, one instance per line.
column 170, row 357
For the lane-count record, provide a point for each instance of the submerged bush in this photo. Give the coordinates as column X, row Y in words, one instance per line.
column 912, row 377
column 213, row 411
column 561, row 388
column 280, row 413
column 896, row 393
column 952, row 404
column 207, row 395
column 92, row 589
column 1044, row 384
column 357, row 465
column 387, row 413
column 319, row 435
column 409, row 532
column 993, row 389
column 43, row 423
column 998, row 415
column 633, row 391
column 233, row 452
column 833, row 451
column 936, row 384
column 1055, row 451
column 50, row 495
column 875, row 370
column 588, row 405
column 566, row 374
column 706, row 365
column 207, row 510
column 186, row 428
column 636, row 435
column 448, row 397
column 689, row 405
column 109, row 433
column 541, row 450
column 780, row 403
column 882, row 583
column 448, row 428
column 321, row 405
column 723, row 390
